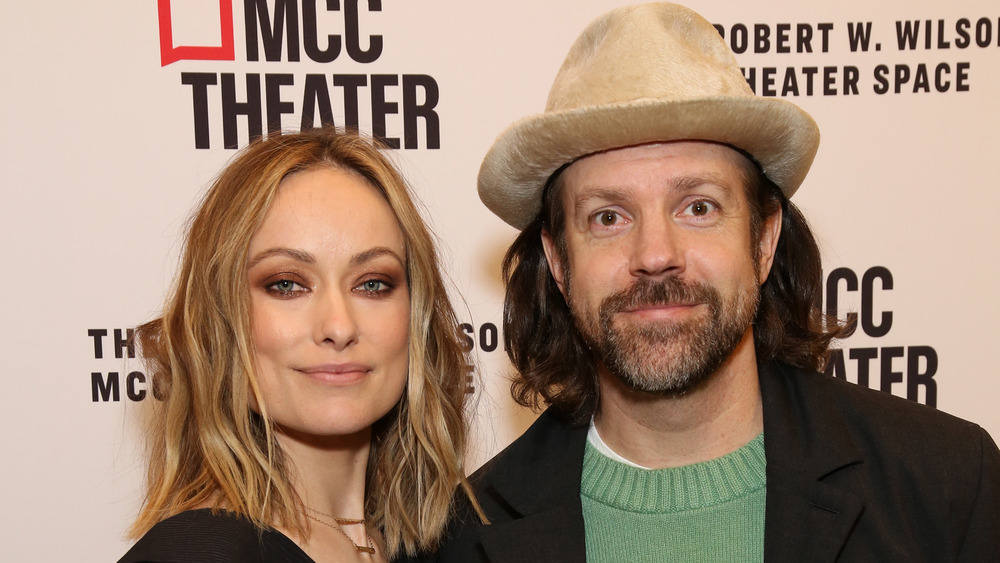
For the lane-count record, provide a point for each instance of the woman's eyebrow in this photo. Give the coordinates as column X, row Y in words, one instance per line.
column 299, row 255
column 372, row 253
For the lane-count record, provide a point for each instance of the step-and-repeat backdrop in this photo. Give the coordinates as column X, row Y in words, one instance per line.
column 117, row 115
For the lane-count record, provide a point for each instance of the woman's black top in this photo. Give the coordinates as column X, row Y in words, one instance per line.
column 198, row 536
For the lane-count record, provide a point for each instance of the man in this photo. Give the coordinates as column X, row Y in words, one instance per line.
column 660, row 301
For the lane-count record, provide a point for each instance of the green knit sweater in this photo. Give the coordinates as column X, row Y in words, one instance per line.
column 711, row 511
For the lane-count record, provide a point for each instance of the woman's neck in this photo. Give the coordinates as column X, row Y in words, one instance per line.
column 329, row 473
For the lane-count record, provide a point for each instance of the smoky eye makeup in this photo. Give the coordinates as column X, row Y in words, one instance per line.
column 282, row 284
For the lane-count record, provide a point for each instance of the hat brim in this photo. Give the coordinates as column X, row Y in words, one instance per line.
column 780, row 136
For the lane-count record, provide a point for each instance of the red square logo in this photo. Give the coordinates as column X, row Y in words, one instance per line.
column 170, row 53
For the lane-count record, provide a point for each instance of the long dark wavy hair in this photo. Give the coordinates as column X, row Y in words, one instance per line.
column 555, row 366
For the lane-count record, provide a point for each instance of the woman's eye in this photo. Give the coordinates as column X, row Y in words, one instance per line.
column 285, row 287
column 374, row 286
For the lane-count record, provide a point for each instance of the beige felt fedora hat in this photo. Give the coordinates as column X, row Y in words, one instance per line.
column 643, row 74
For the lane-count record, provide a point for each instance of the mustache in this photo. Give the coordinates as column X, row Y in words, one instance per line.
column 646, row 292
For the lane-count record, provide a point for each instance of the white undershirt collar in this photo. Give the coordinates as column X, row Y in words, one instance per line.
column 595, row 440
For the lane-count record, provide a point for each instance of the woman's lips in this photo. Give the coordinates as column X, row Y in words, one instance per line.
column 337, row 374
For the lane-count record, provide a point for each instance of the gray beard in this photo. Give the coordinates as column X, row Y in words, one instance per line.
column 667, row 358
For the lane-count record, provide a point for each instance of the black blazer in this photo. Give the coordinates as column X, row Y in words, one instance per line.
column 852, row 475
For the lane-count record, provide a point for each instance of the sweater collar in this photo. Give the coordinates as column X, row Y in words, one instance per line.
column 675, row 489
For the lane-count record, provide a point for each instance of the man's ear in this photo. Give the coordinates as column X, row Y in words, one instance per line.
column 769, row 235
column 556, row 267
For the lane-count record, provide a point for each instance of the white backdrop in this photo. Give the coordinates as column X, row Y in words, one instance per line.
column 102, row 168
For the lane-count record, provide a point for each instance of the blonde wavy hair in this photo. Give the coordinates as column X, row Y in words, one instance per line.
column 207, row 447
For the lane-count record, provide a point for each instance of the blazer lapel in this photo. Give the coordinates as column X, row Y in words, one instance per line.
column 813, row 491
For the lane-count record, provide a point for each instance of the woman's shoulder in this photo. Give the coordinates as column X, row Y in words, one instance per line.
column 201, row 536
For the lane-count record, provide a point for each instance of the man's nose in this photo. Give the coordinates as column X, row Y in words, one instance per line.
column 656, row 248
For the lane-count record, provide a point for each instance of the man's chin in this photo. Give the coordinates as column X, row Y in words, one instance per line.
column 662, row 383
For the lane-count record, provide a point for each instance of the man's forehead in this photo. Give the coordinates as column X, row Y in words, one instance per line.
column 680, row 165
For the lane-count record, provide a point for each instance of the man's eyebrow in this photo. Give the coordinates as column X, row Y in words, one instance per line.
column 299, row 255
column 373, row 253
column 604, row 194
column 679, row 185
column 689, row 183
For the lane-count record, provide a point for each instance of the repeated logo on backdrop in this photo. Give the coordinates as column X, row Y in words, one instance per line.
column 169, row 53
column 306, row 58
column 911, row 57
column 115, row 346
column 907, row 371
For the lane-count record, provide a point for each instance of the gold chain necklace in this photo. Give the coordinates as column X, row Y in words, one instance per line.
column 338, row 522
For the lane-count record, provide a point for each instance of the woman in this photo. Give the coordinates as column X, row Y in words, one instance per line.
column 308, row 368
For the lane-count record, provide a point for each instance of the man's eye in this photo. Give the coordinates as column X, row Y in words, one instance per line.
column 701, row 208
column 608, row 218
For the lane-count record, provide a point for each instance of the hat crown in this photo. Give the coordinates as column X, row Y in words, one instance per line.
column 652, row 51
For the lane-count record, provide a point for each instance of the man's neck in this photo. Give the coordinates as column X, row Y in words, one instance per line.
column 719, row 417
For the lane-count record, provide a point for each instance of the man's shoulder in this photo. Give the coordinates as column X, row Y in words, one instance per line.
column 895, row 468
column 877, row 406
column 206, row 536
column 875, row 421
